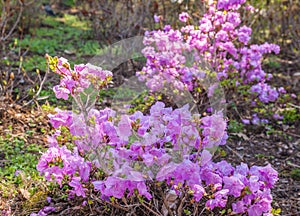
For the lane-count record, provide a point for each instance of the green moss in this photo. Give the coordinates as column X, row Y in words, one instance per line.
column 295, row 174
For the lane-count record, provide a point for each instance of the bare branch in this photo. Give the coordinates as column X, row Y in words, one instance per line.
column 15, row 24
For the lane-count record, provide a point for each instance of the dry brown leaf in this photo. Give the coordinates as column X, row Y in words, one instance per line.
column 241, row 135
column 25, row 193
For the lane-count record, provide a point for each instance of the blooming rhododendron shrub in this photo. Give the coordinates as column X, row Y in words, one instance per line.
column 125, row 156
column 221, row 40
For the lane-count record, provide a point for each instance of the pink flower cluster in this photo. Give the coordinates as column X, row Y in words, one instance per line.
column 155, row 137
column 220, row 39
column 74, row 81
column 150, row 136
column 249, row 187
column 59, row 164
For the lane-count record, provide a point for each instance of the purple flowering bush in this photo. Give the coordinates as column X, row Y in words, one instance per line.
column 221, row 40
column 125, row 156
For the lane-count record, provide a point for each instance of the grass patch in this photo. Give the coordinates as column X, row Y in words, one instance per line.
column 18, row 172
column 17, row 158
column 60, row 36
column 20, row 181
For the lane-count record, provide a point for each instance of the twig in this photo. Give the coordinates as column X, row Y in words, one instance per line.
column 40, row 87
column 29, row 3
column 15, row 24
column 292, row 134
column 90, row 207
column 202, row 211
column 293, row 105
column 179, row 209
column 3, row 18
column 155, row 204
column 110, row 203
column 19, row 69
column 195, row 209
column 147, row 207
column 166, row 203
column 21, row 58
column 293, row 165
column 241, row 157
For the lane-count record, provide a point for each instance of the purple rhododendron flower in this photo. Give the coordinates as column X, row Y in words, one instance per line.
column 220, row 199
column 157, row 18
column 255, row 119
column 61, row 92
column 239, row 207
column 205, row 157
column 166, row 171
column 44, row 211
column 114, row 186
column 234, row 185
column 211, row 89
column 58, row 162
column 224, row 168
column 61, row 118
column 142, row 188
column 183, row 17
column 244, row 34
column 76, row 184
column 124, row 128
column 75, row 81
column 198, row 192
column 277, row 117
column 281, row 90
column 246, row 121
column 266, row 174
column 214, row 130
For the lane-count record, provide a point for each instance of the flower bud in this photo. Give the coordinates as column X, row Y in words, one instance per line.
column 12, row 76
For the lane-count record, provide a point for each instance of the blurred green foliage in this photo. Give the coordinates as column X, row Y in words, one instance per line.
column 291, row 115
column 235, row 126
